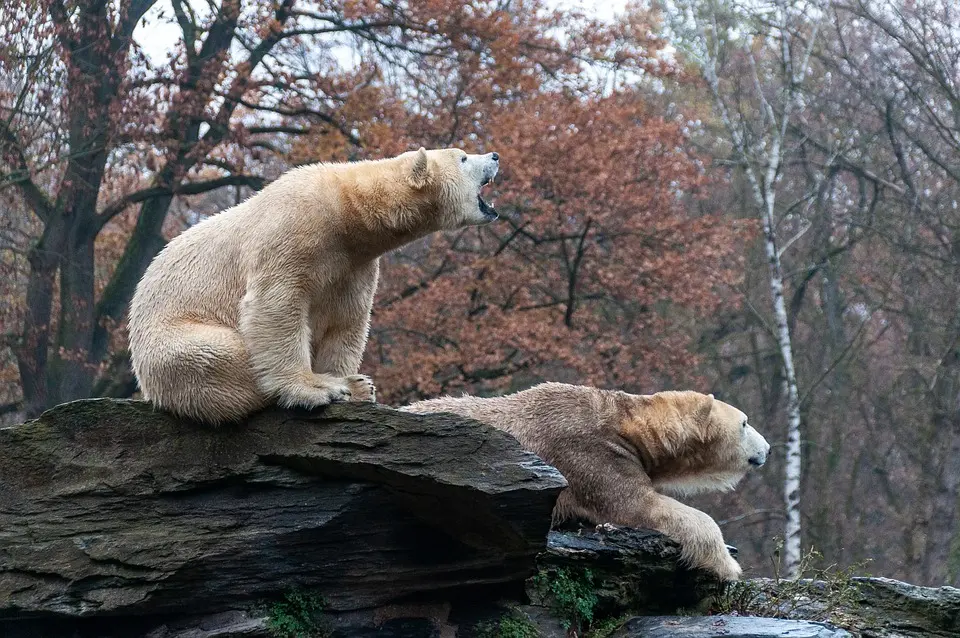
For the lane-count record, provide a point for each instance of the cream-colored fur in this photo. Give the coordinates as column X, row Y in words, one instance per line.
column 270, row 300
column 618, row 451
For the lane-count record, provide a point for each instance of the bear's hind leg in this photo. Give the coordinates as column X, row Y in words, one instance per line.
column 201, row 372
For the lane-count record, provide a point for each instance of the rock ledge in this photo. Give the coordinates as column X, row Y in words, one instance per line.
column 110, row 508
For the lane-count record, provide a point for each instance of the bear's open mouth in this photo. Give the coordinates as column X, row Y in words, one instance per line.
column 486, row 209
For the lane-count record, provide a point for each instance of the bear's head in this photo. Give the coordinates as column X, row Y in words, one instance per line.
column 691, row 442
column 451, row 180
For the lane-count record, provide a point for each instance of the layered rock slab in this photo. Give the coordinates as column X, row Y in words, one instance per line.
column 112, row 509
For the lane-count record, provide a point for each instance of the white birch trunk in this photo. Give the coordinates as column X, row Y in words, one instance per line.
column 761, row 164
column 791, row 484
column 764, row 195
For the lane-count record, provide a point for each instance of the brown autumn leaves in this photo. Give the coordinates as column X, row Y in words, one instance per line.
column 595, row 272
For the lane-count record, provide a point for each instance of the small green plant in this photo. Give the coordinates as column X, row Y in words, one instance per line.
column 819, row 593
column 603, row 628
column 511, row 625
column 742, row 598
column 571, row 596
column 298, row 615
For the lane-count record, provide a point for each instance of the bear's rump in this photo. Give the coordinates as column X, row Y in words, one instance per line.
column 198, row 371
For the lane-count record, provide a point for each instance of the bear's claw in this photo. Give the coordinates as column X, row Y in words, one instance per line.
column 361, row 388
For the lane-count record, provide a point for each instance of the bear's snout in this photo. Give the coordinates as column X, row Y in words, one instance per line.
column 760, row 458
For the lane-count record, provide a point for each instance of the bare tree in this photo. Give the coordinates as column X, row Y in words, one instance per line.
column 867, row 199
column 903, row 60
column 91, row 129
column 756, row 113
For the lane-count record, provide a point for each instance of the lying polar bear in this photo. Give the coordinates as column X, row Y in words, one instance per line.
column 618, row 451
column 269, row 301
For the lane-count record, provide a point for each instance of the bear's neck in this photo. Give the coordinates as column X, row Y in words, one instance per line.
column 383, row 218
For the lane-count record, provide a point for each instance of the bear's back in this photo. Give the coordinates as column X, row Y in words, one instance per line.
column 199, row 275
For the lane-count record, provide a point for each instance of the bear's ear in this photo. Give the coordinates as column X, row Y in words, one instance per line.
column 701, row 411
column 420, row 171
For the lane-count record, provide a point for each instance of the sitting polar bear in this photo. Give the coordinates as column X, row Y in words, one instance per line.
column 618, row 451
column 270, row 300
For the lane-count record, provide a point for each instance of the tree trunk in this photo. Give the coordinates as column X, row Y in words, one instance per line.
column 73, row 368
column 765, row 195
column 761, row 164
column 792, row 466
column 142, row 247
column 61, row 369
column 32, row 355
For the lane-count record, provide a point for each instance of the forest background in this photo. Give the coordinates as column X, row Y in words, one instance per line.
column 755, row 199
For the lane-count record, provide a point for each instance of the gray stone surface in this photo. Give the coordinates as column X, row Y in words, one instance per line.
column 887, row 608
column 725, row 627
column 227, row 624
column 112, row 509
column 869, row 607
column 892, row 608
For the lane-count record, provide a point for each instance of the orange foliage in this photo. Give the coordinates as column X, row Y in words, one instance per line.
column 595, row 272
column 589, row 277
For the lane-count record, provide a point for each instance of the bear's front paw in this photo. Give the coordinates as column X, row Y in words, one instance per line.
column 728, row 569
column 335, row 393
column 316, row 392
column 361, row 388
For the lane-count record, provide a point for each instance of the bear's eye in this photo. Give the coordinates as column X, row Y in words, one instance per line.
column 744, row 425
column 463, row 160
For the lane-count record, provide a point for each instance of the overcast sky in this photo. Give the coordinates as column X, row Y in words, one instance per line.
column 157, row 37
column 606, row 9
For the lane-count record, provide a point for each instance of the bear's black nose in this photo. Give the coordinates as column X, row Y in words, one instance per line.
column 496, row 157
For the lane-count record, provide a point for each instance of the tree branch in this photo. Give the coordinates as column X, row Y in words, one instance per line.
column 191, row 188
column 188, row 26
column 574, row 272
column 270, row 130
column 35, row 197
column 301, row 112
column 128, row 23
column 218, row 126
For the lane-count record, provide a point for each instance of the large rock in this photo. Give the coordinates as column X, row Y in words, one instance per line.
column 725, row 627
column 873, row 607
column 633, row 570
column 116, row 520
column 110, row 509
column 890, row 608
